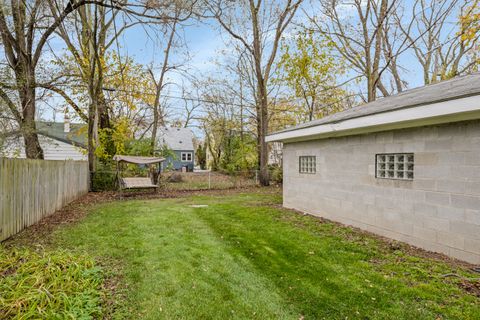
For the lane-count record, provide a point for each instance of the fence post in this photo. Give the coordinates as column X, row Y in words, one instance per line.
column 209, row 180
column 256, row 177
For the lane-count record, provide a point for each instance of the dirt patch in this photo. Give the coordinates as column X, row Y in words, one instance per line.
column 8, row 272
column 39, row 233
column 471, row 286
column 115, row 288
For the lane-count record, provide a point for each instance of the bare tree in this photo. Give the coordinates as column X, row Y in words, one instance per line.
column 440, row 48
column 394, row 44
column 219, row 121
column 258, row 26
column 20, row 25
column 158, row 114
column 26, row 26
column 96, row 30
column 190, row 106
column 360, row 38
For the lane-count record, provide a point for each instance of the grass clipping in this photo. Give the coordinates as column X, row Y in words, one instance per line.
column 48, row 285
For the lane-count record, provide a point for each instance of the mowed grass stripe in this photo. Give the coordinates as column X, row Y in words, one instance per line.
column 241, row 258
column 319, row 271
column 176, row 265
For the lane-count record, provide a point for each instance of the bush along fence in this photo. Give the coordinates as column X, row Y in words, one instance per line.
column 33, row 189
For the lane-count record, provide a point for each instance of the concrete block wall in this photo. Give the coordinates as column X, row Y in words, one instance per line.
column 439, row 210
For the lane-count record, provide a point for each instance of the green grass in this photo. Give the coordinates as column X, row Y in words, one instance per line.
column 48, row 285
column 243, row 258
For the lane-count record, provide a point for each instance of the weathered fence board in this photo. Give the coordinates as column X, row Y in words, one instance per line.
column 33, row 189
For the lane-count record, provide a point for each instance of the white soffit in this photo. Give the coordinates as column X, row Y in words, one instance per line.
column 436, row 113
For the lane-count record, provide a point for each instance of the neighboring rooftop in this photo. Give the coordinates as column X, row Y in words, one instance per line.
column 56, row 130
column 457, row 88
column 176, row 138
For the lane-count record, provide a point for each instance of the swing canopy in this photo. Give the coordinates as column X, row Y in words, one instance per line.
column 138, row 160
column 137, row 182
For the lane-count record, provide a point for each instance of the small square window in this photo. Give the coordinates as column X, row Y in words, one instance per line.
column 186, row 156
column 395, row 166
column 307, row 164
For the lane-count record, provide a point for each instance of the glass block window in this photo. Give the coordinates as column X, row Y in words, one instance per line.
column 395, row 166
column 307, row 164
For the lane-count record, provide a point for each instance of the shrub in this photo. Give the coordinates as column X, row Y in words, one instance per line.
column 276, row 174
column 105, row 177
column 104, row 181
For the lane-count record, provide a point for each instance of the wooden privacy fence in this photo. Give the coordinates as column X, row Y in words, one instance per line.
column 33, row 189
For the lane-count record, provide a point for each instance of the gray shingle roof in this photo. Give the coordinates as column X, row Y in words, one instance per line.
column 176, row 138
column 55, row 130
column 460, row 87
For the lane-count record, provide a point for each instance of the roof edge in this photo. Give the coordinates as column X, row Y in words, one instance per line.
column 73, row 143
column 313, row 124
column 452, row 110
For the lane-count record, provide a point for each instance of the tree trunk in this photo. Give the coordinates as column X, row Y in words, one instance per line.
column 33, row 150
column 371, row 92
column 396, row 75
column 91, row 145
column 264, row 174
column 378, row 52
column 154, row 130
column 312, row 110
column 255, row 46
column 102, row 108
column 262, row 133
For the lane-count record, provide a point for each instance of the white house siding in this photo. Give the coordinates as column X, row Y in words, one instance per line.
column 52, row 149
column 275, row 154
column 439, row 210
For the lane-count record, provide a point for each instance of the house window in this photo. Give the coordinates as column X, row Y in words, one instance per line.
column 397, row 166
column 307, row 164
column 186, row 156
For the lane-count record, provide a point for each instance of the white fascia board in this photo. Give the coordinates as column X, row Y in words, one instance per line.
column 436, row 113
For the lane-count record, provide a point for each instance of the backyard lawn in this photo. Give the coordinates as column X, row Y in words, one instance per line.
column 241, row 256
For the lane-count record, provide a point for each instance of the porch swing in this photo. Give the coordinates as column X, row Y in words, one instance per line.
column 137, row 182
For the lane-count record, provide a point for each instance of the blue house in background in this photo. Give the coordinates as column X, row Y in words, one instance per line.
column 180, row 141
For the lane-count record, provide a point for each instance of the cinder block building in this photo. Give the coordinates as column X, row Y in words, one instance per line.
column 406, row 167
